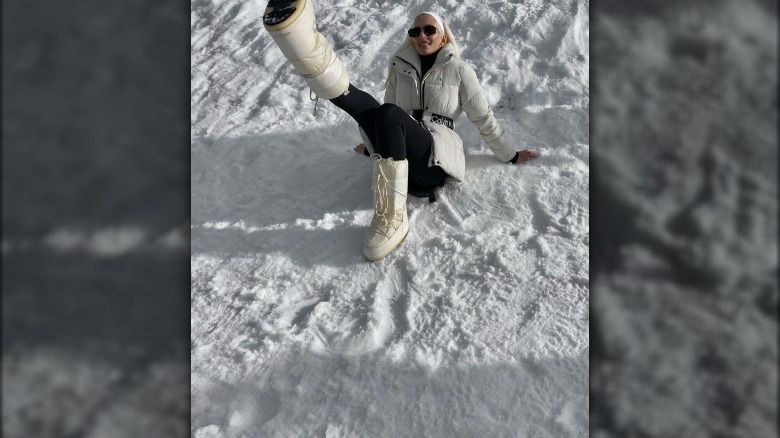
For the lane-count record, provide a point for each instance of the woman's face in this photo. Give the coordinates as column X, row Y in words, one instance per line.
column 428, row 44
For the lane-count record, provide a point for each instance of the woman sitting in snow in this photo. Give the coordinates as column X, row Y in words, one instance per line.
column 411, row 136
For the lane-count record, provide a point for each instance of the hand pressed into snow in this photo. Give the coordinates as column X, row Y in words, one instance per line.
column 526, row 154
column 361, row 148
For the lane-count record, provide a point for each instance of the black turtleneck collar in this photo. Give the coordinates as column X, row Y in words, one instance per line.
column 426, row 62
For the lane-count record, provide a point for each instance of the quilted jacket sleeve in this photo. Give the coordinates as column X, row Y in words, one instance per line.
column 476, row 107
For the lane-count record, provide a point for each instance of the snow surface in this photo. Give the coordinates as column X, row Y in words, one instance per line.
column 684, row 272
column 476, row 326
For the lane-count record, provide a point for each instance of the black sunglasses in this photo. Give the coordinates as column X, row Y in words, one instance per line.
column 428, row 30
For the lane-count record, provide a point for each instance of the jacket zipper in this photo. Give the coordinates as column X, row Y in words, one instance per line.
column 418, row 78
column 422, row 89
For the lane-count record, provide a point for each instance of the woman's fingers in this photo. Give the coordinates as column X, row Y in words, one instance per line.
column 527, row 154
column 360, row 148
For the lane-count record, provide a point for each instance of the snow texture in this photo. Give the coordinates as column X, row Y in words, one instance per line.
column 684, row 268
column 476, row 326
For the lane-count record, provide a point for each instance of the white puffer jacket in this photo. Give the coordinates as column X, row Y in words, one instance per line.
column 448, row 88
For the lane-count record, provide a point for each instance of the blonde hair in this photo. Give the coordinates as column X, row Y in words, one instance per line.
column 409, row 42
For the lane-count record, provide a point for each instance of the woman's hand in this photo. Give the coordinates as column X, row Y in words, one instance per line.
column 361, row 149
column 525, row 155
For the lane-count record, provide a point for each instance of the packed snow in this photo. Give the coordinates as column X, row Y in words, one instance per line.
column 476, row 326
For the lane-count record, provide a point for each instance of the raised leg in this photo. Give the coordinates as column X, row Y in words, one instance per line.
column 292, row 25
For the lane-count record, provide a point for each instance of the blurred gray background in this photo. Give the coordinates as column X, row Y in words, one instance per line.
column 95, row 218
column 684, row 219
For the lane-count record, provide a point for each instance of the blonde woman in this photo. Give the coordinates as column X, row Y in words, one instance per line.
column 410, row 136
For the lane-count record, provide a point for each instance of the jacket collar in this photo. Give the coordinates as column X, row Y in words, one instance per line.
column 409, row 54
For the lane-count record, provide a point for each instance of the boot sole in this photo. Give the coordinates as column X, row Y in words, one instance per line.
column 281, row 13
column 390, row 250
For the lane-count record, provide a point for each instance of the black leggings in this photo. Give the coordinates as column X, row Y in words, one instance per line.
column 394, row 134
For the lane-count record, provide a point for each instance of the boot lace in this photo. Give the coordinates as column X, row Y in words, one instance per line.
column 320, row 44
column 384, row 215
column 314, row 98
